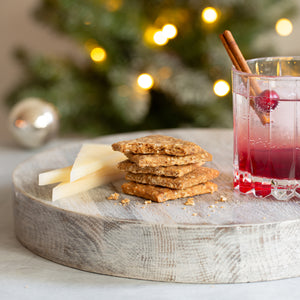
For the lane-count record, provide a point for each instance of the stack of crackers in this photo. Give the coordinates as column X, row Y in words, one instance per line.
column 162, row 168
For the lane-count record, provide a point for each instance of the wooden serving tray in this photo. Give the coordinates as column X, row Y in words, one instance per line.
column 241, row 240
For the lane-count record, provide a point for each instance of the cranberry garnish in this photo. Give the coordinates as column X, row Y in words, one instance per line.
column 266, row 101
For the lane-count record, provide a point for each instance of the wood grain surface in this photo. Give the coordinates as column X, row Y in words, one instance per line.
column 241, row 240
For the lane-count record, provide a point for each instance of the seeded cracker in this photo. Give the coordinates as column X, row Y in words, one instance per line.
column 153, row 160
column 197, row 176
column 157, row 144
column 161, row 168
column 170, row 171
column 162, row 194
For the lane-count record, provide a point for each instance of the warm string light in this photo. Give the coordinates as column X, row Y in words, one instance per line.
column 170, row 31
column 221, row 88
column 145, row 81
column 149, row 34
column 161, row 36
column 284, row 27
column 98, row 54
column 209, row 15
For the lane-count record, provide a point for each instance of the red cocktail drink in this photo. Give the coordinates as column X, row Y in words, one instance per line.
column 267, row 155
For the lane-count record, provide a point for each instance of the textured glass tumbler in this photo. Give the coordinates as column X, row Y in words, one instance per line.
column 266, row 113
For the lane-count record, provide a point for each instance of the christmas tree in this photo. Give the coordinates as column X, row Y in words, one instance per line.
column 148, row 64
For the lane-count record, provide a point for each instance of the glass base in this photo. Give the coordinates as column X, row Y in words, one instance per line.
column 263, row 187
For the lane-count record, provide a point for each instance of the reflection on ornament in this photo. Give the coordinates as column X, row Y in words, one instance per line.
column 170, row 31
column 20, row 123
column 221, row 88
column 145, row 81
column 43, row 120
column 98, row 54
column 209, row 15
column 160, row 38
column 284, row 27
column 33, row 122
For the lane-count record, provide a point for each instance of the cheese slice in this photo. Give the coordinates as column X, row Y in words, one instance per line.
column 93, row 157
column 103, row 176
column 55, row 176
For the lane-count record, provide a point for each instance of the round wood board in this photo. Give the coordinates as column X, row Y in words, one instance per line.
column 241, row 240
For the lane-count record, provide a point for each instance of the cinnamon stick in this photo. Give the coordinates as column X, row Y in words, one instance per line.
column 230, row 54
column 240, row 64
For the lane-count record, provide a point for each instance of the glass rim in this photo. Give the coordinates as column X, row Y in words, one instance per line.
column 268, row 58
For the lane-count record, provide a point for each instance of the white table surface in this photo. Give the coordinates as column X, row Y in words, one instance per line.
column 24, row 275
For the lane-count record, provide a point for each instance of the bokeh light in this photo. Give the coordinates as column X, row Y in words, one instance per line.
column 221, row 88
column 284, row 27
column 98, row 54
column 209, row 15
column 145, row 81
column 160, row 38
column 149, row 33
column 170, row 31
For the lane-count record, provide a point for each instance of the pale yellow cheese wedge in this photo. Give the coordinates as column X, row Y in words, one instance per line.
column 93, row 157
column 55, row 176
column 101, row 177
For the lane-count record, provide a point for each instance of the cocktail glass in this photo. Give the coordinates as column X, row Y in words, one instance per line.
column 266, row 112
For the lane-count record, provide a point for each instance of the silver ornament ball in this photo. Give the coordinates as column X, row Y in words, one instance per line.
column 33, row 122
